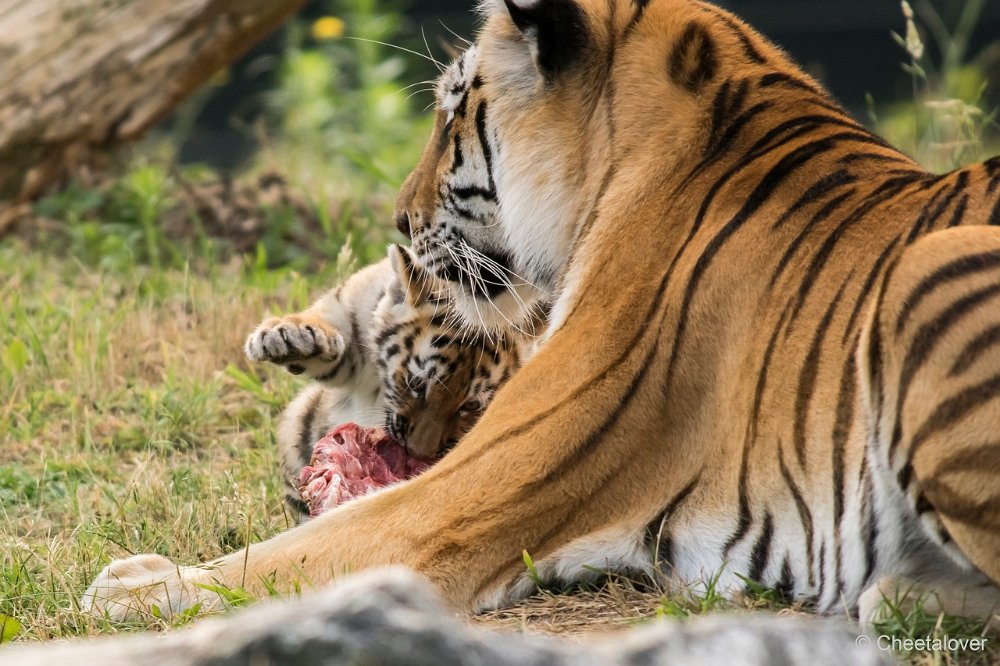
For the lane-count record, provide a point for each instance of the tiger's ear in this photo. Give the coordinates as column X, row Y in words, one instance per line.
column 555, row 30
column 417, row 285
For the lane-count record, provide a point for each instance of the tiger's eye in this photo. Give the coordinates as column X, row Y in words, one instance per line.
column 471, row 406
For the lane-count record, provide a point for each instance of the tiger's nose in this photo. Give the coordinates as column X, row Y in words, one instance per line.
column 403, row 223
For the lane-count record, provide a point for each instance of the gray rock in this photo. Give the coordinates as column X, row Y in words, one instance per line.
column 391, row 616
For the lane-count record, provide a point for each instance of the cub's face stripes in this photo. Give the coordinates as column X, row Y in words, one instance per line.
column 407, row 365
column 436, row 376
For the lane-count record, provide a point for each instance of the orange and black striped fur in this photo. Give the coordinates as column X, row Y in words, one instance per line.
column 774, row 352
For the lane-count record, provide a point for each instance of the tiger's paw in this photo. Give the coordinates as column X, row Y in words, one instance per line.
column 975, row 597
column 301, row 343
column 144, row 587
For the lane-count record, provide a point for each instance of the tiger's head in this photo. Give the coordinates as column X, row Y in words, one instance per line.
column 437, row 378
column 516, row 160
column 563, row 112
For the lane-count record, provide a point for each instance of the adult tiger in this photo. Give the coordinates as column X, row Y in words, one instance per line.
column 765, row 359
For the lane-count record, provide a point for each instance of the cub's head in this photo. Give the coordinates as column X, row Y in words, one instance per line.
column 516, row 159
column 437, row 379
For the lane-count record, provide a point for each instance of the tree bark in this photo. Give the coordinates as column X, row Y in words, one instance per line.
column 79, row 76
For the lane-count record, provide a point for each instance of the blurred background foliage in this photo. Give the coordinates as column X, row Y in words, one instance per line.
column 320, row 126
column 950, row 118
column 343, row 108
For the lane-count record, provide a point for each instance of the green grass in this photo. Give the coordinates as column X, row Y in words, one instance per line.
column 948, row 122
column 129, row 423
column 914, row 621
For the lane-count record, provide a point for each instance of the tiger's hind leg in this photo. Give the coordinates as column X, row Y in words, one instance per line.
column 930, row 360
column 980, row 599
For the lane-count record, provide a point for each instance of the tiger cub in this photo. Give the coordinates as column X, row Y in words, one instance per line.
column 382, row 348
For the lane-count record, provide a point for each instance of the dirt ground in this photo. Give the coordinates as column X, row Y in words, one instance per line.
column 581, row 614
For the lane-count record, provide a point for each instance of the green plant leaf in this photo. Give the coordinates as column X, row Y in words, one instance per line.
column 9, row 628
column 235, row 596
column 15, row 355
column 529, row 564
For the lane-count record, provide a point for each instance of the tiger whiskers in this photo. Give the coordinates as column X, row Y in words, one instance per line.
column 455, row 34
column 467, row 261
column 443, row 385
column 473, row 255
column 440, row 67
column 465, row 265
column 418, row 83
column 427, row 46
column 425, row 82
column 463, row 269
column 479, row 256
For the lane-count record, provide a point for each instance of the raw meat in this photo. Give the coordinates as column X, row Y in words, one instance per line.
column 351, row 461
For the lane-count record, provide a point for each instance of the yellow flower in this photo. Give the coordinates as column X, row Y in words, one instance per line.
column 220, row 78
column 328, row 27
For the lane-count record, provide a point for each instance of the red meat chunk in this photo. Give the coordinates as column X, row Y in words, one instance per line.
column 351, row 461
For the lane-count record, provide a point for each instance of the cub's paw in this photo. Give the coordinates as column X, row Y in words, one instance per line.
column 143, row 587
column 294, row 340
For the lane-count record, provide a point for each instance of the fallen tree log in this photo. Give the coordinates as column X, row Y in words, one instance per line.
column 79, row 76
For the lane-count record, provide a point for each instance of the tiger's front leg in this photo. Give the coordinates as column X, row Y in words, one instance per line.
column 370, row 531
column 147, row 586
column 327, row 342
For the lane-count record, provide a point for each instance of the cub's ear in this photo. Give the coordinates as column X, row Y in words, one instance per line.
column 416, row 284
column 556, row 31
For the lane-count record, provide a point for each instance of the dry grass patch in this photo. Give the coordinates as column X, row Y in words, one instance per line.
column 584, row 613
